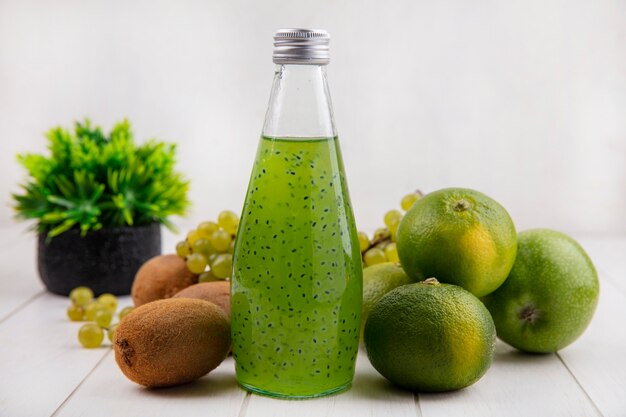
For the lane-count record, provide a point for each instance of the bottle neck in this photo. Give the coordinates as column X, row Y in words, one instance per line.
column 300, row 105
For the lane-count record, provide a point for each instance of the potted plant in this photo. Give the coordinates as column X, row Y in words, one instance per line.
column 98, row 202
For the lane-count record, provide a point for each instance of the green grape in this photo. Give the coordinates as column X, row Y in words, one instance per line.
column 75, row 313
column 90, row 335
column 391, row 217
column 192, row 236
column 92, row 308
column 364, row 241
column 109, row 301
column 409, row 199
column 196, row 263
column 229, row 221
column 222, row 265
column 220, row 239
column 203, row 247
column 380, row 234
column 182, row 249
column 103, row 317
column 231, row 247
column 206, row 229
column 124, row 312
column 212, row 257
column 374, row 256
column 111, row 332
column 207, row 276
column 81, row 296
column 393, row 228
column 391, row 252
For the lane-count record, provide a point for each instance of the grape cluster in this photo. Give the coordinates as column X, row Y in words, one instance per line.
column 382, row 247
column 97, row 312
column 208, row 249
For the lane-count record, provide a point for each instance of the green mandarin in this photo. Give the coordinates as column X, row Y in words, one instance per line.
column 297, row 285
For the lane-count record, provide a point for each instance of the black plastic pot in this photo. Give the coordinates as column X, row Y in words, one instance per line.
column 105, row 260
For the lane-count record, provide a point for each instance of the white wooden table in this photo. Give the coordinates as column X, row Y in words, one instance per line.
column 44, row 372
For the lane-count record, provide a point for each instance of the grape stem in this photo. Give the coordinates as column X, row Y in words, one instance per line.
column 379, row 242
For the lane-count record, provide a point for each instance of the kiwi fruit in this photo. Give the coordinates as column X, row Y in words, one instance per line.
column 217, row 292
column 161, row 277
column 171, row 342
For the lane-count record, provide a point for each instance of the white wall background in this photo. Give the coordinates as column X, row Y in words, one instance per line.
column 524, row 100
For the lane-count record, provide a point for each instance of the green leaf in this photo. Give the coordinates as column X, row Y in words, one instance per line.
column 66, row 225
column 61, row 201
column 128, row 217
column 91, row 180
column 55, row 217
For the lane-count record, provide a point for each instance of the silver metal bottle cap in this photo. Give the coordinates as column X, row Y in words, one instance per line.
column 301, row 46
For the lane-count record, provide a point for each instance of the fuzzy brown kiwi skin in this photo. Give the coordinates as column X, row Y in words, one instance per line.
column 161, row 277
column 171, row 342
column 217, row 292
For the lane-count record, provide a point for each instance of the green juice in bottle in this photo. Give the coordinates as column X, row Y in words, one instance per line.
column 297, row 282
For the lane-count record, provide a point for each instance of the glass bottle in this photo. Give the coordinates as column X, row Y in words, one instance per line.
column 296, row 287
